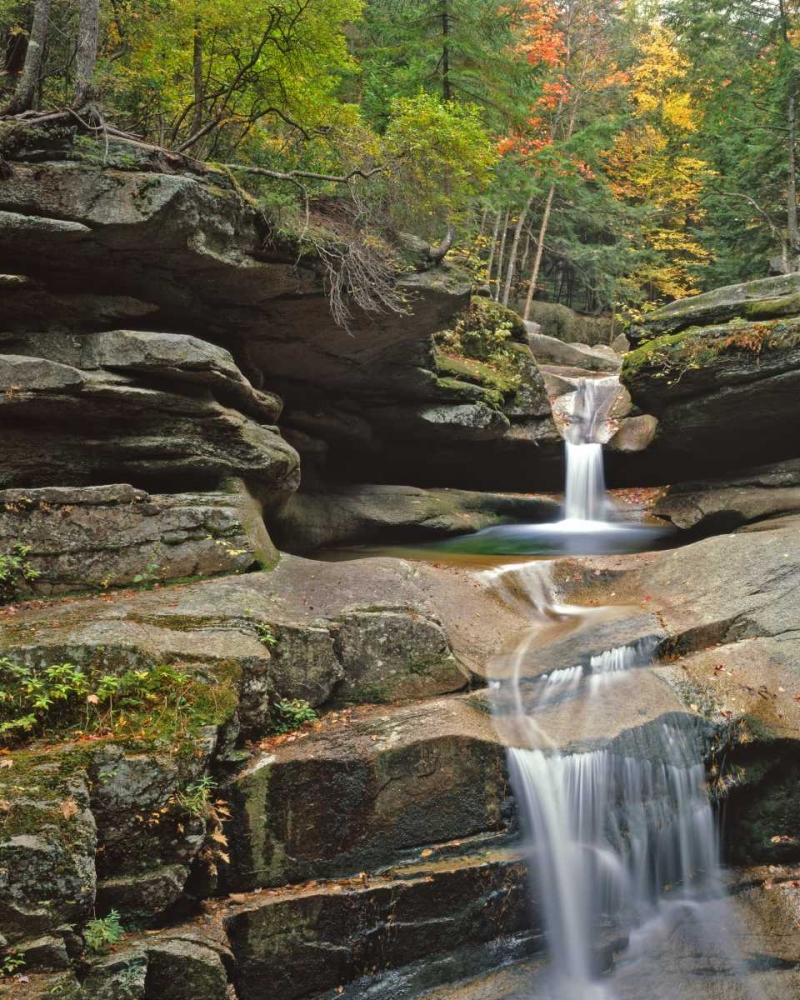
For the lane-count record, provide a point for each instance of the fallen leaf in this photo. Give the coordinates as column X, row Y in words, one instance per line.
column 69, row 808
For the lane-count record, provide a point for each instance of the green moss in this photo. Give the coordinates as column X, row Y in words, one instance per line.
column 787, row 305
column 476, row 372
column 671, row 356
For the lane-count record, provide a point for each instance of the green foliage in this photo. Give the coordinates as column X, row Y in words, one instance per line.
column 11, row 962
column 149, row 577
column 287, row 716
column 102, row 933
column 484, row 333
column 65, row 699
column 16, row 572
column 265, row 635
column 195, row 799
column 443, row 153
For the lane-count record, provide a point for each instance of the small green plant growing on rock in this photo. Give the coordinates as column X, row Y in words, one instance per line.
column 16, row 572
column 149, row 577
column 195, row 799
column 29, row 697
column 481, row 341
column 11, row 962
column 265, row 635
column 287, row 716
column 102, row 933
column 65, row 699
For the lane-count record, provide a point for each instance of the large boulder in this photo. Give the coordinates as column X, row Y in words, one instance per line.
column 769, row 298
column 364, row 794
column 549, row 351
column 725, row 396
column 730, row 652
column 297, row 944
column 82, row 538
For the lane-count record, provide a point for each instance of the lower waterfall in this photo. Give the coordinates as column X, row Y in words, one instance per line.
column 621, row 840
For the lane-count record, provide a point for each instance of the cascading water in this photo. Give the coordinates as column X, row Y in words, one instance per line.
column 590, row 523
column 587, row 414
column 622, row 842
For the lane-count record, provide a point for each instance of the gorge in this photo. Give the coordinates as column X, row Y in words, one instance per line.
column 496, row 767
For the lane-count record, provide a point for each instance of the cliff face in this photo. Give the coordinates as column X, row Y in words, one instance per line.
column 143, row 261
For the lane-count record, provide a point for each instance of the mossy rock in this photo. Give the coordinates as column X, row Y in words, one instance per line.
column 703, row 358
column 769, row 298
column 476, row 372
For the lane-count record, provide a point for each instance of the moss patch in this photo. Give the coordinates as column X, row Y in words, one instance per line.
column 671, row 356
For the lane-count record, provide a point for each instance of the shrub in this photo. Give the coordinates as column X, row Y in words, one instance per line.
column 104, row 932
column 15, row 573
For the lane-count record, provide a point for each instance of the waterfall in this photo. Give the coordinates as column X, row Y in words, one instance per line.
column 618, row 843
column 587, row 416
column 621, row 843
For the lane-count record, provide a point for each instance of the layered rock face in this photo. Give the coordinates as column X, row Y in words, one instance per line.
column 720, row 373
column 124, row 278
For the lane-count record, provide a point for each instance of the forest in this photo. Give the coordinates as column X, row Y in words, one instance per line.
column 611, row 154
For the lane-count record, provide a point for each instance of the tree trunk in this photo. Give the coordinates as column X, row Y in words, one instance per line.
column 199, row 86
column 446, row 88
column 537, row 260
column 512, row 261
column 25, row 91
column 498, row 217
column 438, row 253
column 791, row 114
column 501, row 256
column 86, row 55
column 791, row 194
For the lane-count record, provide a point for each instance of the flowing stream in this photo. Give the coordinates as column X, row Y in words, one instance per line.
column 622, row 839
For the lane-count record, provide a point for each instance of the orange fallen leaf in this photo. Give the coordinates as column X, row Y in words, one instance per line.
column 69, row 808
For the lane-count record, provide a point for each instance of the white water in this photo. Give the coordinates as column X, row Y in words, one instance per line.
column 621, row 847
column 587, row 426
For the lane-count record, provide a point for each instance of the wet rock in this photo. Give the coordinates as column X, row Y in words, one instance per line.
column 582, row 642
column 80, row 538
column 296, row 945
column 356, row 798
column 353, row 514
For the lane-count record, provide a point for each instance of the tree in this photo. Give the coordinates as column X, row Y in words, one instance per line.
column 86, row 51
column 743, row 71
column 653, row 165
column 25, row 91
